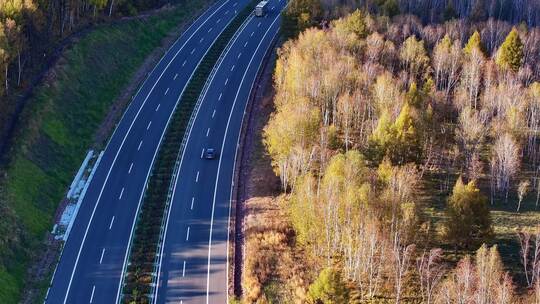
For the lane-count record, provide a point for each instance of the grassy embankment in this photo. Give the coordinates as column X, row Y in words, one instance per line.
column 58, row 126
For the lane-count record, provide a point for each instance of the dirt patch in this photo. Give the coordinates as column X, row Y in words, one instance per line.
column 265, row 260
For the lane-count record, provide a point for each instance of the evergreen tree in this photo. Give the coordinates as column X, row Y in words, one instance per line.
column 474, row 42
column 329, row 288
column 510, row 54
column 469, row 221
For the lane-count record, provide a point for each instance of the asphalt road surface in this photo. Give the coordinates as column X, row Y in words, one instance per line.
column 91, row 266
column 194, row 264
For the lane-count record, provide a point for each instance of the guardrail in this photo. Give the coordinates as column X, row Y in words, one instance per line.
column 153, row 201
column 184, row 142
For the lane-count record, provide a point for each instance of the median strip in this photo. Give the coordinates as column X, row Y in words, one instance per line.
column 141, row 270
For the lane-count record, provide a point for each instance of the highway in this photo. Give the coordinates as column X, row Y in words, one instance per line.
column 94, row 256
column 193, row 267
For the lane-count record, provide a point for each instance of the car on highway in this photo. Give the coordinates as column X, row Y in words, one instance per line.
column 209, row 153
column 260, row 9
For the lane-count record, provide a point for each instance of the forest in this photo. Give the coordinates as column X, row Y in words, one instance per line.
column 31, row 31
column 400, row 144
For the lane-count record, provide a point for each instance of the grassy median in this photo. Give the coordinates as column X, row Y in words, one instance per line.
column 59, row 125
column 139, row 278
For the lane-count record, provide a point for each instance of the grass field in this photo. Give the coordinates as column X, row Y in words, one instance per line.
column 58, row 126
column 506, row 221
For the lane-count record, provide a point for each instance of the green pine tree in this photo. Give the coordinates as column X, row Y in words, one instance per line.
column 510, row 54
column 329, row 288
column 475, row 42
column 468, row 219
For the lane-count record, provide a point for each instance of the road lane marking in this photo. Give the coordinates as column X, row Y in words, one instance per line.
column 192, row 201
column 214, row 113
column 207, row 132
column 184, row 63
column 157, row 108
column 149, row 124
column 156, row 292
column 187, row 234
column 121, row 193
column 102, row 254
column 112, row 221
column 74, row 268
column 197, row 177
column 259, row 25
column 232, row 68
column 251, row 35
column 167, row 91
column 139, row 147
column 226, row 81
column 92, row 296
column 245, row 44
column 130, row 167
column 221, row 94
column 219, row 164
column 202, row 153
column 236, row 3
column 193, row 51
column 175, row 76
column 218, row 20
column 226, row 12
column 239, row 54
column 184, row 269
column 210, row 29
column 202, row 39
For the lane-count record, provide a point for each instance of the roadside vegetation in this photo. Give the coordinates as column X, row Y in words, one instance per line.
column 59, row 125
column 142, row 259
column 408, row 156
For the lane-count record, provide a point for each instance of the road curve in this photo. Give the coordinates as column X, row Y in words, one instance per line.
column 94, row 256
column 194, row 264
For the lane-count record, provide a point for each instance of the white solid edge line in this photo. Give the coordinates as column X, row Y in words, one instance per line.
column 155, row 153
column 174, row 189
column 120, row 149
column 131, row 103
column 219, row 165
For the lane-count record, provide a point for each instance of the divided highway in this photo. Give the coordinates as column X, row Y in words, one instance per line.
column 193, row 266
column 93, row 259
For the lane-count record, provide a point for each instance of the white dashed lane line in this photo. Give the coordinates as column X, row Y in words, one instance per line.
column 187, row 234
column 245, row 44
column 251, row 35
column 93, row 291
column 149, row 124
column 121, row 194
column 207, row 132
column 130, row 167
column 167, row 91
column 193, row 51
column 175, row 76
column 221, row 94
column 232, row 68
column 213, row 113
column 210, row 29
column 112, row 221
column 157, row 108
column 184, row 63
column 192, row 201
column 139, row 147
column 226, row 81
column 197, row 177
column 239, row 55
column 102, row 254
column 184, row 269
